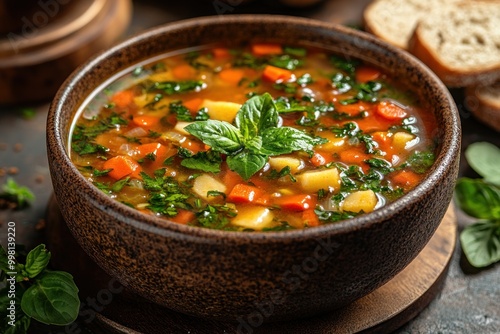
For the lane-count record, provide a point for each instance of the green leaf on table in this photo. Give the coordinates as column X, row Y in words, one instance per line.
column 4, row 261
column 52, row 299
column 481, row 243
column 21, row 325
column 484, row 158
column 478, row 198
column 21, row 195
column 37, row 260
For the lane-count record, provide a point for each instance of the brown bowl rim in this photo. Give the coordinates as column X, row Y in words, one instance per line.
column 444, row 160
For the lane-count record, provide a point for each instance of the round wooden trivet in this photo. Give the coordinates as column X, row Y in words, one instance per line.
column 382, row 311
column 36, row 59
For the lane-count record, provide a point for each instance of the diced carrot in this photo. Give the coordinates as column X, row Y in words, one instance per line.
column 161, row 153
column 193, row 105
column 367, row 73
column 406, row 179
column 276, row 74
column 355, row 157
column 183, row 217
column 384, row 142
column 146, row 121
column 221, row 53
column 321, row 158
column 232, row 75
column 299, row 202
column 193, row 146
column 122, row 166
column 184, row 72
column 123, row 98
column 310, row 218
column 259, row 181
column 231, row 178
column 390, row 111
column 265, row 49
column 244, row 193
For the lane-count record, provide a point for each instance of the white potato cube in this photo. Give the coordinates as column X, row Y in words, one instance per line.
column 205, row 183
column 403, row 141
column 281, row 162
column 221, row 110
column 313, row 181
column 363, row 200
column 254, row 217
column 179, row 127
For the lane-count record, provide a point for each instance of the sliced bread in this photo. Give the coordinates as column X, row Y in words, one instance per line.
column 484, row 103
column 395, row 20
column 461, row 43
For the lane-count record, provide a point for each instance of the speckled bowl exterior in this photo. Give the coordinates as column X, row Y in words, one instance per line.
column 252, row 277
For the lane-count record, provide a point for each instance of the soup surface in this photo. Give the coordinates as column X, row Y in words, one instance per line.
column 262, row 138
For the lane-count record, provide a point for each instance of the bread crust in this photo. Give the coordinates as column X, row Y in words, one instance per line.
column 451, row 77
column 373, row 28
column 483, row 109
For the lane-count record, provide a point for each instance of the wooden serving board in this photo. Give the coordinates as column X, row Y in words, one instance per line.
column 382, row 311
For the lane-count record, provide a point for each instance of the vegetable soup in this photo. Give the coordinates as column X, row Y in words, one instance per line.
column 265, row 137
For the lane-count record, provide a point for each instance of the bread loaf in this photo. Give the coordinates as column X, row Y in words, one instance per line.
column 484, row 103
column 395, row 20
column 461, row 43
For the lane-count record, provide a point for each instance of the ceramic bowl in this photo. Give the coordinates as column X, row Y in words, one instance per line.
column 261, row 276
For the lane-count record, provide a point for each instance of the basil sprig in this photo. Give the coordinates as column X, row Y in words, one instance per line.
column 480, row 198
column 50, row 297
column 255, row 136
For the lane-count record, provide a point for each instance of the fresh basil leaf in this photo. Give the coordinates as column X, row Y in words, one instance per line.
column 481, row 243
column 257, row 114
column 4, row 261
column 36, row 261
column 285, row 140
column 220, row 136
column 21, row 325
column 52, row 299
column 484, row 158
column 478, row 198
column 246, row 163
column 204, row 161
column 254, row 144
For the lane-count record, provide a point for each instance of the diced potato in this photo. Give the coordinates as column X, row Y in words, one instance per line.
column 281, row 162
column 179, row 127
column 254, row 217
column 334, row 143
column 403, row 141
column 221, row 110
column 162, row 76
column 363, row 200
column 205, row 183
column 313, row 181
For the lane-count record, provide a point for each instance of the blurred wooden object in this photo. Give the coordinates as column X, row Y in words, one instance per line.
column 52, row 41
